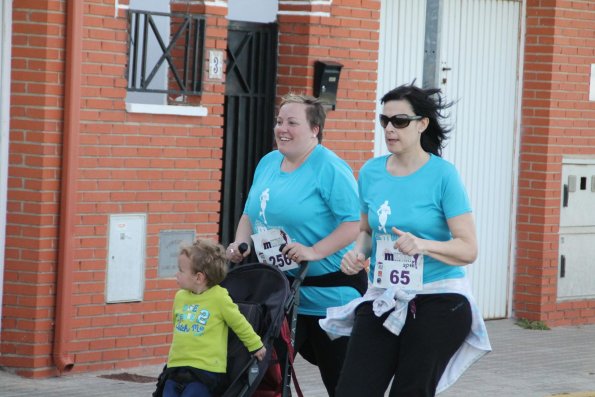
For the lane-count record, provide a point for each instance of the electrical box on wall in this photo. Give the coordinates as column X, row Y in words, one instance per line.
column 126, row 258
column 169, row 249
column 577, row 230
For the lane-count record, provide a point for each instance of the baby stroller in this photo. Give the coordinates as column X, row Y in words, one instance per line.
column 263, row 294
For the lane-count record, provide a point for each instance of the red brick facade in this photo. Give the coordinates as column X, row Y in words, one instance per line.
column 169, row 167
column 557, row 120
column 349, row 37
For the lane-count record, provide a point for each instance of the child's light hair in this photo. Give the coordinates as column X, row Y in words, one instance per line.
column 207, row 257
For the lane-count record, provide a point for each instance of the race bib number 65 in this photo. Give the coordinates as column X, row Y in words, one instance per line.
column 395, row 269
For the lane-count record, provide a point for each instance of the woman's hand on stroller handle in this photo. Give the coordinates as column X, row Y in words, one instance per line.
column 299, row 277
column 297, row 252
column 237, row 251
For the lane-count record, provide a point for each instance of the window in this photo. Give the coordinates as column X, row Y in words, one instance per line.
column 165, row 57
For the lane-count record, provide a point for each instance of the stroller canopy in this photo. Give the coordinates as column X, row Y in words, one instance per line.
column 262, row 284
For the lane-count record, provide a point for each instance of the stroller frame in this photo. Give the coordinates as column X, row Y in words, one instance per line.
column 246, row 284
column 253, row 372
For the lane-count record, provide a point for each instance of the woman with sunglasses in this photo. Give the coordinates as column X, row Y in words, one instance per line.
column 417, row 325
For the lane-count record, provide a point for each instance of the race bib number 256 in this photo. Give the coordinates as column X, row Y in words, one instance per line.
column 267, row 246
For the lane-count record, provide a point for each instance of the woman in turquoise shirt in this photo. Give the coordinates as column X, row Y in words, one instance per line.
column 417, row 321
column 305, row 194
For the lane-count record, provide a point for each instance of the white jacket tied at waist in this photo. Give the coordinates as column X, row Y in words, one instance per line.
column 339, row 322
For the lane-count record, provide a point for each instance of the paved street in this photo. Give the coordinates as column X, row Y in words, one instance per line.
column 524, row 363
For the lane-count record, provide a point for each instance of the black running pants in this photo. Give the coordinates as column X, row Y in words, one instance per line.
column 314, row 345
column 415, row 359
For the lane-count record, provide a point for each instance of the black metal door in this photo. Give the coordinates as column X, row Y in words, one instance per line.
column 250, row 88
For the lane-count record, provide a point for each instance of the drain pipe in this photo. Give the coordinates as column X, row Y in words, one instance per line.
column 63, row 359
column 5, row 51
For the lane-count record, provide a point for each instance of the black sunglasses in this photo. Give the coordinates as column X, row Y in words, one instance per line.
column 398, row 121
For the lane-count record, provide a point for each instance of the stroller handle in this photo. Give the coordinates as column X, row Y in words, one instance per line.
column 297, row 281
column 301, row 274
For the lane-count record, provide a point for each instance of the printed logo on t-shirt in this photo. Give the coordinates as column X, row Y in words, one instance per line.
column 264, row 197
column 192, row 320
column 383, row 213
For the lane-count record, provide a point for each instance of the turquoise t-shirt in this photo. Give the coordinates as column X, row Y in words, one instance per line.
column 308, row 204
column 419, row 203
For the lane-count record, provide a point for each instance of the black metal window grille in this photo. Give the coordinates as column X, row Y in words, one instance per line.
column 184, row 52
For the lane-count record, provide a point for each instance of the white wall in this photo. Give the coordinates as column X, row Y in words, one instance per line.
column 263, row 11
column 477, row 38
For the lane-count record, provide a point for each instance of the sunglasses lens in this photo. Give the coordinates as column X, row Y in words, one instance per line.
column 383, row 121
column 399, row 122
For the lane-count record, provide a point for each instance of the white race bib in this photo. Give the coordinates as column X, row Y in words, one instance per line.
column 266, row 245
column 395, row 269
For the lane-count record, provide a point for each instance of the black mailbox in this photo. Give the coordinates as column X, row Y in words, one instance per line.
column 326, row 81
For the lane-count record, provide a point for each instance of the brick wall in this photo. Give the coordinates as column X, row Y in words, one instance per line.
column 168, row 167
column 346, row 32
column 33, row 184
column 557, row 120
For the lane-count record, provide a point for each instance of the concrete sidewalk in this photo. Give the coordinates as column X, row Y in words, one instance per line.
column 524, row 363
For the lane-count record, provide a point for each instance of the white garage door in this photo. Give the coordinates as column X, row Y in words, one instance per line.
column 478, row 60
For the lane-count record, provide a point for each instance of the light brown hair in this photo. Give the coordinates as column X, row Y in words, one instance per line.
column 315, row 113
column 207, row 257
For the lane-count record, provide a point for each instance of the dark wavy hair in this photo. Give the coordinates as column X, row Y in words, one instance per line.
column 427, row 103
